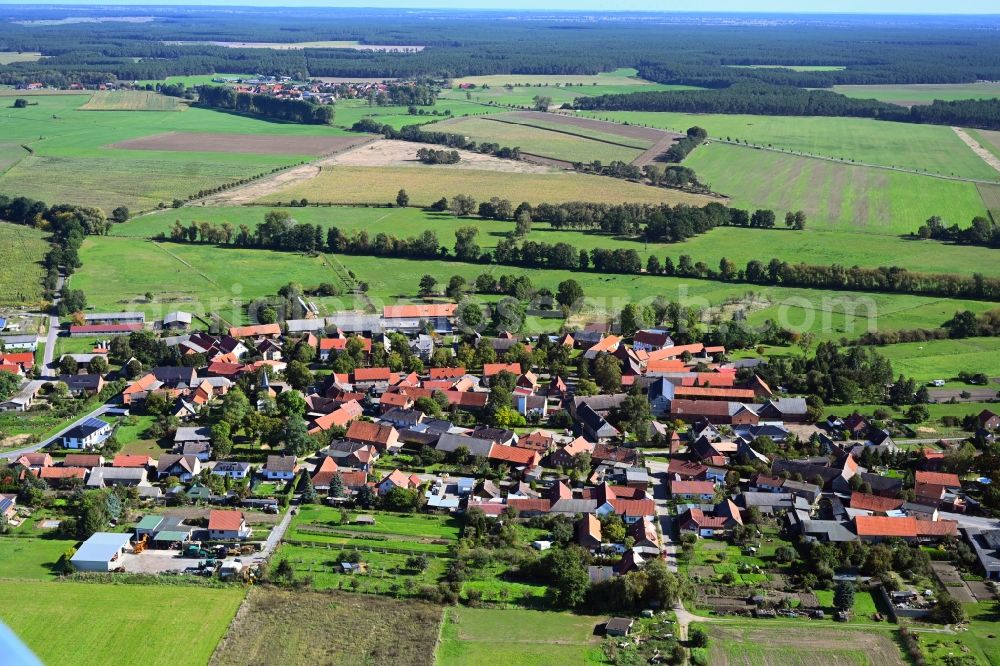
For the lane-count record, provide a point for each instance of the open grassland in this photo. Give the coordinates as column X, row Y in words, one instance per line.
column 620, row 77
column 921, row 93
column 11, row 154
column 297, row 627
column 843, row 246
column 21, row 250
column 195, row 79
column 834, row 195
column 517, row 638
column 73, row 160
column 117, row 272
column 132, row 100
column 94, row 623
column 31, row 558
column 8, row 57
column 942, row 359
column 350, row 111
column 524, row 95
column 794, row 68
column 545, row 142
column 764, row 644
column 431, row 534
column 352, row 185
column 988, row 139
column 991, row 198
column 933, row 148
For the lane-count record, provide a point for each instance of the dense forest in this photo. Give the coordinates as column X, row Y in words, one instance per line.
column 291, row 110
column 757, row 98
column 706, row 51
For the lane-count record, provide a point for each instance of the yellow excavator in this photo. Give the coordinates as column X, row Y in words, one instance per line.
column 141, row 544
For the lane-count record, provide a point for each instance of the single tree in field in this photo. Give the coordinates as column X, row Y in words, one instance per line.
column 402, row 199
column 542, row 102
column 843, row 596
column 427, row 285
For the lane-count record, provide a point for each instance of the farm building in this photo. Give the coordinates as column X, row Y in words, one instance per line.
column 101, row 552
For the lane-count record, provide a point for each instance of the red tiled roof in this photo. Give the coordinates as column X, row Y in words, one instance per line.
column 883, row 526
column 364, row 431
column 634, row 507
column 372, row 374
column 411, row 311
column 692, row 487
column 446, row 373
column 939, row 479
column 607, row 344
column 229, row 521
column 933, row 528
column 675, row 351
column 62, row 473
column 354, row 478
column 876, row 503
column 490, row 369
column 105, row 328
column 686, row 468
column 704, row 392
column 257, row 329
column 339, row 417
column 325, row 472
column 513, row 455
column 125, row 460
column 466, row 398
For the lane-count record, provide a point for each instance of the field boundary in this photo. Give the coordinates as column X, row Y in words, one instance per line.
column 560, row 131
column 978, row 148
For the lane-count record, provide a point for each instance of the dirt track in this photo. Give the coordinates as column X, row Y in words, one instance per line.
column 654, row 151
column 986, row 155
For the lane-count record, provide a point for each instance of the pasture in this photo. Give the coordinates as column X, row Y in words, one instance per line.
column 517, row 638
column 623, row 76
column 31, row 558
column 21, row 247
column 74, row 162
column 932, row 148
column 8, row 57
column 132, row 100
column 523, row 95
column 921, row 93
column 122, row 624
column 254, row 144
column 297, row 627
column 350, row 111
column 357, row 185
column 834, row 195
column 990, row 140
column 991, row 198
column 733, row 643
column 545, row 142
column 943, row 359
column 820, row 245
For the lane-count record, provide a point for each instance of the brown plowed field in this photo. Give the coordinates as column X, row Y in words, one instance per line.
column 256, row 144
column 631, row 131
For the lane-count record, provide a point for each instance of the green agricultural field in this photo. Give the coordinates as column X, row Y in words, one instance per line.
column 991, row 197
column 23, row 247
column 988, row 139
column 834, row 195
column 517, row 638
column 943, row 359
column 537, row 141
column 794, row 68
column 755, row 642
column 565, row 128
column 387, row 572
column 350, row 111
column 122, row 624
column 74, row 161
column 934, row 148
column 31, row 558
column 132, row 100
column 294, row 627
column 524, row 95
column 430, row 534
column 8, row 57
column 977, row 644
column 921, row 93
column 353, row 185
column 196, row 79
column 620, row 77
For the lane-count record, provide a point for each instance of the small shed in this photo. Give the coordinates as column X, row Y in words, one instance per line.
column 618, row 626
column 541, row 544
column 364, row 519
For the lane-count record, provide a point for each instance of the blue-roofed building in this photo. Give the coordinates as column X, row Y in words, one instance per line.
column 88, row 435
column 101, row 552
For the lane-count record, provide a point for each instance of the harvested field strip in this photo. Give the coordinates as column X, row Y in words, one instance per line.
column 132, row 100
column 296, row 627
column 257, row 144
column 991, row 198
column 351, row 185
column 768, row 645
column 974, row 145
column 11, row 154
column 24, row 248
column 632, row 135
column 588, row 137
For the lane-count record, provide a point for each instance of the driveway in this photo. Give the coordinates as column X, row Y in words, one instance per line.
column 274, row 538
column 50, row 340
column 658, row 472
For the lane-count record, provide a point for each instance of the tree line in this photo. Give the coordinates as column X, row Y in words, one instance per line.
column 982, row 231
column 292, row 110
column 416, row 134
column 757, row 98
column 432, row 156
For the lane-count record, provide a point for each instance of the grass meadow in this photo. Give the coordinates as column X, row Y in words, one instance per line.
column 934, row 148
column 298, row 627
column 523, row 95
column 21, row 247
column 350, row 111
column 517, row 638
column 921, row 93
column 132, row 100
column 73, row 161
column 353, row 185
column 942, row 359
column 624, row 76
column 834, row 195
column 8, row 57
column 95, row 623
column 755, row 642
column 539, row 141
column 31, row 558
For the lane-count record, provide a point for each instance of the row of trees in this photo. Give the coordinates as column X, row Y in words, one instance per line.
column 417, row 134
column 982, row 231
column 292, row 110
column 432, row 156
column 681, row 148
column 657, row 175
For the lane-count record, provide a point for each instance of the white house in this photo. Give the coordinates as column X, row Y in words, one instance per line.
column 234, row 470
column 88, row 435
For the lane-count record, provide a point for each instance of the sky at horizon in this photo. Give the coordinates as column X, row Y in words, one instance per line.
column 727, row 6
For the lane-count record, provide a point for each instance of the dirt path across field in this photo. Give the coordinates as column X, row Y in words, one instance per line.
column 654, row 151
column 986, row 155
